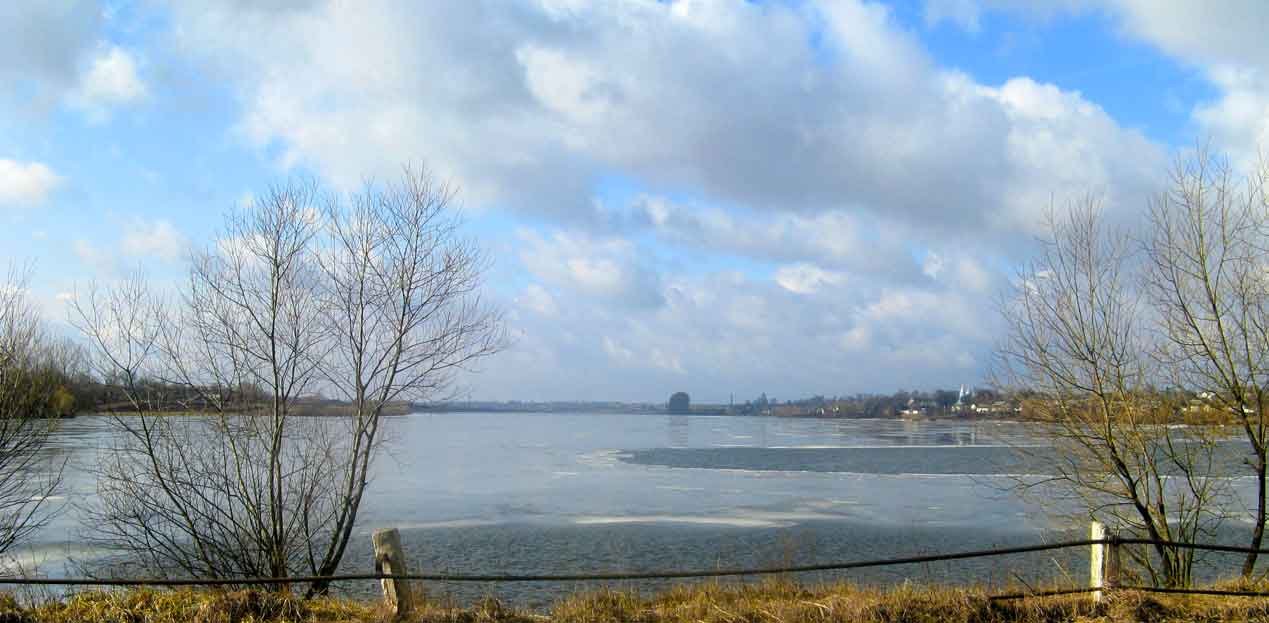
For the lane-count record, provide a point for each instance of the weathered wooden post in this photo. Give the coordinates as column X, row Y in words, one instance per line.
column 390, row 559
column 1103, row 561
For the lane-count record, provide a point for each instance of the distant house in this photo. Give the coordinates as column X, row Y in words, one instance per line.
column 918, row 408
column 995, row 408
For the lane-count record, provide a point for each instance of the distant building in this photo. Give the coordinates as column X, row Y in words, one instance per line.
column 918, row 408
column 680, row 402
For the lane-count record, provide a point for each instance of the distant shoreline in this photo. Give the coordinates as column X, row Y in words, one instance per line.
column 302, row 409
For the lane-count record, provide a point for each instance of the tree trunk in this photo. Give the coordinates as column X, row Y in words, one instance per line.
column 1258, row 532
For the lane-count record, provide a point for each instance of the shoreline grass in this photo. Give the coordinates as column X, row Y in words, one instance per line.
column 777, row 601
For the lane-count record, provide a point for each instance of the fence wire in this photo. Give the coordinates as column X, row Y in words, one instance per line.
column 567, row 577
column 711, row 573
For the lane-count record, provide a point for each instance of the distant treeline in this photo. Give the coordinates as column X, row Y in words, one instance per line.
column 857, row 406
column 70, row 393
column 528, row 406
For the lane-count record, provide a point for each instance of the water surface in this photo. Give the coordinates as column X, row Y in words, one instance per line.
column 572, row 493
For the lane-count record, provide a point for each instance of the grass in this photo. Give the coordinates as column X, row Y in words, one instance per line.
column 774, row 601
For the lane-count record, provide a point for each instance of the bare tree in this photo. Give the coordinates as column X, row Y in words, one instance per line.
column 30, row 391
column 214, row 497
column 401, row 298
column 372, row 298
column 1208, row 284
column 1078, row 336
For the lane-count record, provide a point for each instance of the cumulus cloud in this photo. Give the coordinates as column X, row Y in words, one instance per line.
column 1224, row 40
column 609, row 269
column 529, row 106
column 111, row 79
column 722, row 332
column 1227, row 41
column 26, row 183
column 536, row 298
column 56, row 53
column 834, row 238
column 802, row 329
column 818, row 204
column 805, row 278
column 157, row 238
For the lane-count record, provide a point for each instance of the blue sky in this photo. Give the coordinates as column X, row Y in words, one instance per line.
column 720, row 197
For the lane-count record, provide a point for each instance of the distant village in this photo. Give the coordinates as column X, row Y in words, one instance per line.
column 940, row 403
column 962, row 403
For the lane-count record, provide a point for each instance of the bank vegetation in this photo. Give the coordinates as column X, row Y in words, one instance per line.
column 774, row 601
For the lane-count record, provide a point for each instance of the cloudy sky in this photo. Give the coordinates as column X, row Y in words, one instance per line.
column 716, row 196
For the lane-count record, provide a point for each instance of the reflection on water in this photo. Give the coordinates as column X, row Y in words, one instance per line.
column 678, row 431
column 562, row 493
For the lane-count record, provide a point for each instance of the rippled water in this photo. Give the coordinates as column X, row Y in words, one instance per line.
column 566, row 493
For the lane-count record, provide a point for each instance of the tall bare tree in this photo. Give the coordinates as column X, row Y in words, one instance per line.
column 400, row 294
column 1208, row 285
column 372, row 298
column 30, row 390
column 1078, row 336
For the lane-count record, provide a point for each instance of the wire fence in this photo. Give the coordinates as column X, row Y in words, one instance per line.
column 710, row 573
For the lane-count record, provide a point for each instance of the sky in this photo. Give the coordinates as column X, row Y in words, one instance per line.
column 721, row 197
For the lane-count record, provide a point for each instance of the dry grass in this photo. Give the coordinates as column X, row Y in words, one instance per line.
column 775, row 601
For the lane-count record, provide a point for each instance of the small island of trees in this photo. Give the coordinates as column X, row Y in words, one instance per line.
column 680, row 402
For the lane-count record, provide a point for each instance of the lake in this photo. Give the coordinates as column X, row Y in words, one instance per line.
column 575, row 493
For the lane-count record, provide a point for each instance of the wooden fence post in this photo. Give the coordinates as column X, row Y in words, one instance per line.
column 1103, row 561
column 390, row 559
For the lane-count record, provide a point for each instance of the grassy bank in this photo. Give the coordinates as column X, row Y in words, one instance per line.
column 778, row 602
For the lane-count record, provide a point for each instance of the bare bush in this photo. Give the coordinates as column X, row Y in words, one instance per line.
column 371, row 299
column 32, row 397
column 1207, row 283
column 1078, row 337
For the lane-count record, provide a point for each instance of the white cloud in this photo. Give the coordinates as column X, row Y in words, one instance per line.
column 526, row 107
column 110, row 80
column 974, row 277
column 932, row 265
column 153, row 239
column 536, row 298
column 610, row 269
column 818, row 141
column 57, row 53
column 568, row 86
column 836, row 239
column 619, row 354
column 858, row 339
column 720, row 332
column 806, row 278
column 1225, row 41
column 1064, row 146
column 666, row 361
column 26, row 183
